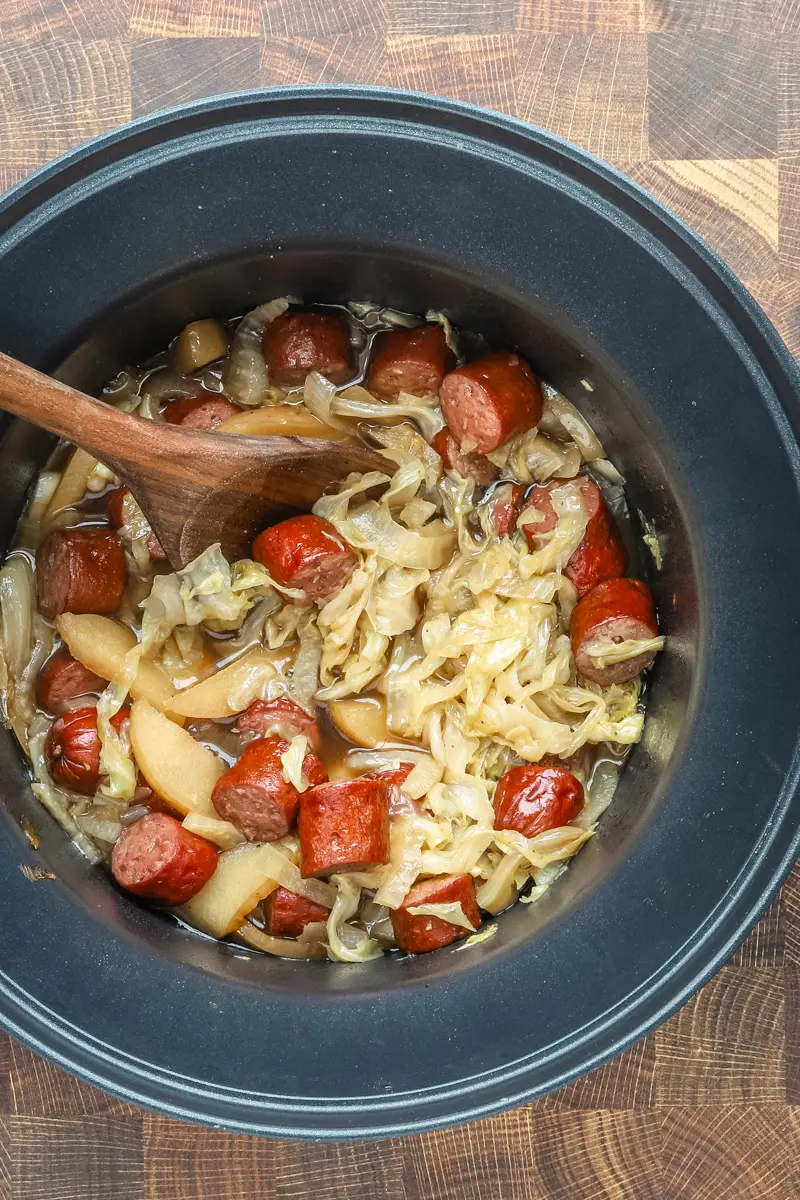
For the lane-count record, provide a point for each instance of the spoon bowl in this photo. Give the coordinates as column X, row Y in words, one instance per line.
column 195, row 488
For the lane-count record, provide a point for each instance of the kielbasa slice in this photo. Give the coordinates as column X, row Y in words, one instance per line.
column 72, row 748
column 281, row 717
column 306, row 553
column 255, row 796
column 200, row 412
column 601, row 553
column 296, row 343
column 617, row 610
column 286, row 914
column 504, row 502
column 409, row 360
column 534, row 798
column 416, row 933
column 115, row 505
column 62, row 678
column 487, row 402
column 157, row 858
column 80, row 571
column 344, row 826
column 469, row 466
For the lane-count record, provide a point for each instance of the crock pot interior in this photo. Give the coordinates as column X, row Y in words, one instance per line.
column 146, row 320
column 420, row 202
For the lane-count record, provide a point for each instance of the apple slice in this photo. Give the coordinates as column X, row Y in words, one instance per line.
column 239, row 883
column 228, row 691
column 101, row 645
column 280, row 420
column 362, row 720
column 176, row 767
column 71, row 487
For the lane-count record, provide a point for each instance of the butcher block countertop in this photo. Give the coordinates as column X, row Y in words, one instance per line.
column 699, row 102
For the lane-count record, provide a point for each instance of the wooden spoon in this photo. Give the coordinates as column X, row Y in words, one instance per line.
column 195, row 488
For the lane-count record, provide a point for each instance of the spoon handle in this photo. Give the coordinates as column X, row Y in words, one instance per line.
column 89, row 423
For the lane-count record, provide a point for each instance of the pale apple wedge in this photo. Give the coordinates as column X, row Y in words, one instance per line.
column 175, row 766
column 101, row 645
column 228, row 691
column 280, row 420
column 240, row 881
column 362, row 721
column 72, row 484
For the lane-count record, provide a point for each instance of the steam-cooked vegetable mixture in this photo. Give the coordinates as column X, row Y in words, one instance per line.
column 405, row 711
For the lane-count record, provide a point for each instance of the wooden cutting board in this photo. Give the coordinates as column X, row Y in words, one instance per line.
column 697, row 100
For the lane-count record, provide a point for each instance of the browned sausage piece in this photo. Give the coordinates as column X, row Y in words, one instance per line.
column 601, row 554
column 254, row 795
column 157, row 858
column 469, row 466
column 80, row 571
column 286, row 914
column 296, row 343
column 72, row 748
column 534, row 798
column 344, row 826
column 416, row 933
column 306, row 553
column 281, row 717
column 62, row 678
column 504, row 503
column 200, row 412
column 409, row 360
column 489, row 401
column 618, row 610
column 115, row 505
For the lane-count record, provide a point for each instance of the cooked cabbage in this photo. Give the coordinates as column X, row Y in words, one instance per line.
column 606, row 654
column 348, row 943
column 292, row 763
column 450, row 911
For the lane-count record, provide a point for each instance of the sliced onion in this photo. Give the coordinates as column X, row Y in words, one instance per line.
column 438, row 318
column 358, row 403
column 318, row 396
column 245, row 377
column 98, row 824
column 282, row 947
column 16, row 609
column 161, row 387
column 499, row 891
column 373, row 315
column 429, row 548
column 573, row 424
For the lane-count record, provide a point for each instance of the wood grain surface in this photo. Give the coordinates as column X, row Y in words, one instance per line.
column 698, row 101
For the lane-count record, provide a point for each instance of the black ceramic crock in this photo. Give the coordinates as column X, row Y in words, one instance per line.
column 416, row 202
